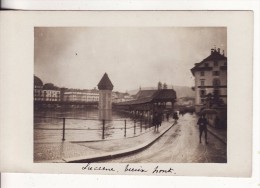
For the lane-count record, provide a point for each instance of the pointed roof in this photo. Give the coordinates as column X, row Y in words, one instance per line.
column 215, row 55
column 105, row 83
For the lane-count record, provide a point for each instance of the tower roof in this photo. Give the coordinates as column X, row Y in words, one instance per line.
column 37, row 81
column 105, row 83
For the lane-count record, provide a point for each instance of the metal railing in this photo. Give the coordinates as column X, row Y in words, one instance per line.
column 129, row 126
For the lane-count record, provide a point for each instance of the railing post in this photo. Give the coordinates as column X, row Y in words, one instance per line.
column 63, row 130
column 134, row 126
column 103, row 130
column 125, row 128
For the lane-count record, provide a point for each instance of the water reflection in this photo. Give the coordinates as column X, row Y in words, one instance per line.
column 85, row 125
column 105, row 114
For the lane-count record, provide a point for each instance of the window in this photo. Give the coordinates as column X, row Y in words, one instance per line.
column 206, row 64
column 225, row 63
column 216, row 82
column 202, row 82
column 202, row 73
column 215, row 73
column 215, row 63
column 216, row 92
column 202, row 92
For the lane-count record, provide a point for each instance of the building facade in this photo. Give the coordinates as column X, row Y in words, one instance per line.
column 50, row 92
column 38, row 85
column 46, row 92
column 121, row 97
column 210, row 79
column 81, row 95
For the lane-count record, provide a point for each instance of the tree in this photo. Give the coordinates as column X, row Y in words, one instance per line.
column 159, row 85
column 165, row 86
column 213, row 100
column 209, row 100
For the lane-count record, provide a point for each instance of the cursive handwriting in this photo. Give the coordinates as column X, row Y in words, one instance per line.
column 132, row 169
column 163, row 171
column 101, row 168
column 129, row 168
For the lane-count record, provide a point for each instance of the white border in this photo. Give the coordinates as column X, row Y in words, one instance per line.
column 44, row 180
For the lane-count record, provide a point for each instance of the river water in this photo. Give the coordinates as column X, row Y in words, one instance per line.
column 84, row 125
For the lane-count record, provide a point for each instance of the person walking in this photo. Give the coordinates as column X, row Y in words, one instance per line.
column 175, row 117
column 167, row 116
column 156, row 121
column 160, row 119
column 203, row 122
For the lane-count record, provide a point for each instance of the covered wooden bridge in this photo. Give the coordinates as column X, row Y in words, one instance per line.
column 148, row 102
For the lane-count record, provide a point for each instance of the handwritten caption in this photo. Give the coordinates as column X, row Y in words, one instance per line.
column 129, row 168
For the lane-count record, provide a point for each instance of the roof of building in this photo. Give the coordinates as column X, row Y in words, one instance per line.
column 215, row 55
column 37, row 81
column 144, row 93
column 162, row 95
column 105, row 83
column 50, row 86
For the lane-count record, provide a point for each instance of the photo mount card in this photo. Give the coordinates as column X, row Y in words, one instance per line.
column 97, row 92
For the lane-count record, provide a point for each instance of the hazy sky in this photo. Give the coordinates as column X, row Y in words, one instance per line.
column 132, row 56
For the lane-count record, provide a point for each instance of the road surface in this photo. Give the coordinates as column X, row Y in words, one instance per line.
column 180, row 145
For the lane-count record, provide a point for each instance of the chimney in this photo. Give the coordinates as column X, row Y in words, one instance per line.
column 219, row 50
column 212, row 50
column 223, row 53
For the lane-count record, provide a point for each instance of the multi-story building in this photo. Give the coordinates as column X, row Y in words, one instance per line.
column 121, row 97
column 185, row 101
column 38, row 84
column 50, row 92
column 81, row 95
column 93, row 96
column 210, row 78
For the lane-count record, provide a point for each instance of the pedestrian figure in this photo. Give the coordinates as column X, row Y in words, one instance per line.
column 175, row 117
column 160, row 118
column 167, row 116
column 156, row 121
column 203, row 122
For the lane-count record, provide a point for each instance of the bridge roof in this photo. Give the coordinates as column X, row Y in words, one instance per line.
column 163, row 95
column 145, row 93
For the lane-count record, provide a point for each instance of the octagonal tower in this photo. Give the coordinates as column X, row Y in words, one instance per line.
column 105, row 87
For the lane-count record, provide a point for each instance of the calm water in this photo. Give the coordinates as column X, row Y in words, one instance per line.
column 83, row 125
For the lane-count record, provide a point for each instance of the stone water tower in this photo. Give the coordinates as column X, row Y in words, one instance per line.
column 105, row 87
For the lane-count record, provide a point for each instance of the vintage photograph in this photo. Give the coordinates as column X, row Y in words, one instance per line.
column 130, row 95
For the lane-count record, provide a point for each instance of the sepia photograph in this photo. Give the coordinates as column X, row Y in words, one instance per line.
column 130, row 95
column 160, row 93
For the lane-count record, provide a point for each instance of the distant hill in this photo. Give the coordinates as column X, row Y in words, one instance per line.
column 181, row 91
column 184, row 91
